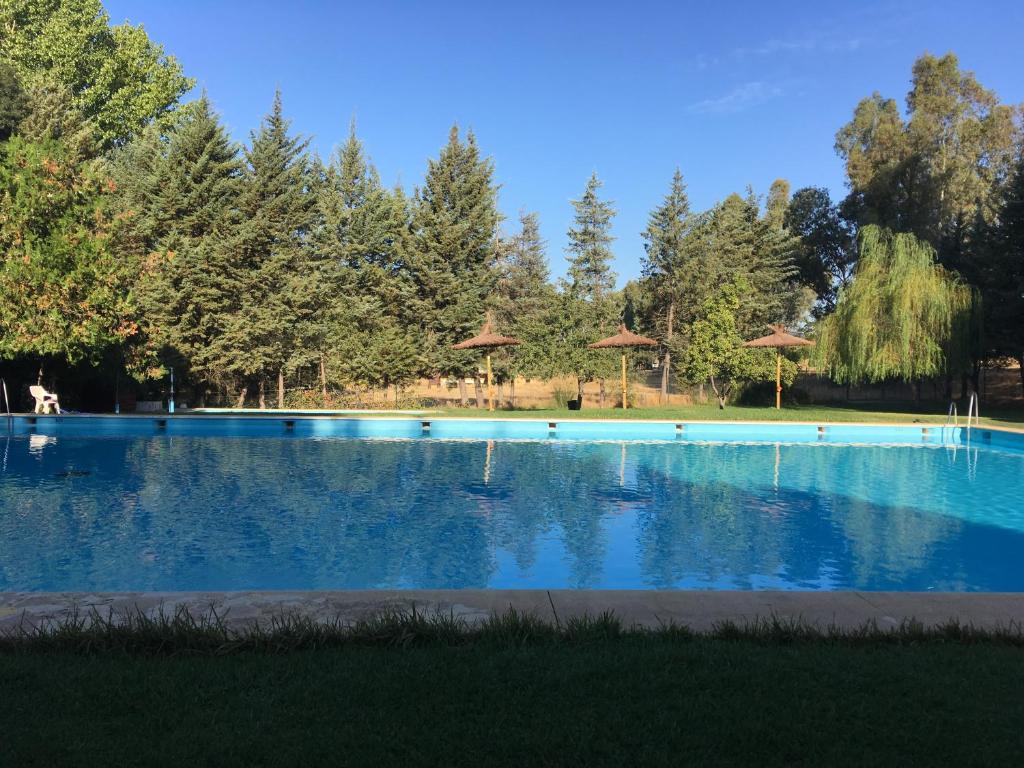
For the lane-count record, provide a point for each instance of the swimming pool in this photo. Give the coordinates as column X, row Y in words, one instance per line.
column 205, row 503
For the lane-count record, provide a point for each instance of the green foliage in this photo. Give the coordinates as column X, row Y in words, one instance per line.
column 715, row 353
column 117, row 75
column 590, row 274
column 13, row 102
column 669, row 265
column 937, row 172
column 825, row 253
column 178, row 201
column 277, row 283
column 455, row 223
column 1001, row 273
column 61, row 285
column 522, row 300
column 902, row 315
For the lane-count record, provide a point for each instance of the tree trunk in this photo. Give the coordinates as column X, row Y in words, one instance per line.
column 1020, row 362
column 262, row 394
column 241, row 397
column 719, row 394
column 478, row 392
column 601, row 395
column 579, row 392
column 501, row 394
column 700, row 393
column 666, row 363
column 396, row 396
column 463, row 397
column 280, row 388
column 512, row 386
column 323, row 378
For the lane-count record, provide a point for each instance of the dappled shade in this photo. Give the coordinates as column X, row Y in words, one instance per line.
column 624, row 338
column 779, row 338
column 486, row 339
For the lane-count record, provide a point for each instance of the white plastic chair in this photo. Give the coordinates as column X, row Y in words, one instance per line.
column 45, row 401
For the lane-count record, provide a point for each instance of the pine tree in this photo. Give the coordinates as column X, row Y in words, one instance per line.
column 588, row 307
column 279, row 285
column 455, row 223
column 1002, row 274
column 667, row 268
column 179, row 200
column 590, row 275
column 523, row 285
column 522, row 299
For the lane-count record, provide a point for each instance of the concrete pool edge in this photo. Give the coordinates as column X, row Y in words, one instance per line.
column 699, row 610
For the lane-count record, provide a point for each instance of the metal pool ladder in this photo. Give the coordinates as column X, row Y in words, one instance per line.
column 952, row 420
column 972, row 410
column 7, row 406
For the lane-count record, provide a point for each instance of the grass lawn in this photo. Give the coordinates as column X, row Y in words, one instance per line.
column 932, row 413
column 410, row 691
column 620, row 702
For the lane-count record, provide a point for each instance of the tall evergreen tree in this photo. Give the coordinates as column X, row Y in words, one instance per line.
column 588, row 307
column 668, row 268
column 523, row 298
column 1002, row 274
column 180, row 199
column 277, row 280
column 455, row 223
column 590, row 275
column 360, row 242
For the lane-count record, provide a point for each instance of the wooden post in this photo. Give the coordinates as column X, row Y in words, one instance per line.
column 491, row 389
column 625, row 404
column 778, row 379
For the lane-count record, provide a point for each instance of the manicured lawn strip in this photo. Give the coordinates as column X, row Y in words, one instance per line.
column 630, row 700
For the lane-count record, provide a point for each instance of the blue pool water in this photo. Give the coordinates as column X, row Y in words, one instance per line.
column 218, row 504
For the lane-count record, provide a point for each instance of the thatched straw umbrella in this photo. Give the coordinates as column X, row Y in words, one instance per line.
column 488, row 341
column 622, row 340
column 778, row 338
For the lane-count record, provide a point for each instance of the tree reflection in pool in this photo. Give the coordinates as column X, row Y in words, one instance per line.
column 198, row 513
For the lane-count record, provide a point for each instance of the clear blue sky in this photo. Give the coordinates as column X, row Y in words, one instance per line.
column 734, row 93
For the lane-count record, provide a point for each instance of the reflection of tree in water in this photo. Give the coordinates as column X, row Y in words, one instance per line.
column 181, row 513
column 553, row 486
column 717, row 517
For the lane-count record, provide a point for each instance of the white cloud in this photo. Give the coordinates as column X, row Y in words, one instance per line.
column 738, row 99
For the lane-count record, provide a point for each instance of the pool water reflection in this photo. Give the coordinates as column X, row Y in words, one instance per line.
column 213, row 513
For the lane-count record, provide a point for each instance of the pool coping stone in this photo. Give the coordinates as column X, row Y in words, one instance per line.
column 701, row 610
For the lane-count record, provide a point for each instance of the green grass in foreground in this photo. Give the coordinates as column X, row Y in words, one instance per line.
column 929, row 413
column 407, row 691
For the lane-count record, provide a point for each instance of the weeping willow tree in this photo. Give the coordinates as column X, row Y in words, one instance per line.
column 902, row 316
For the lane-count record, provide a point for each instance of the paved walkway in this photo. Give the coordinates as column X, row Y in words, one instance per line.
column 700, row 610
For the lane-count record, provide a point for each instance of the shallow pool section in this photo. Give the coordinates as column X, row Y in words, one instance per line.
column 226, row 504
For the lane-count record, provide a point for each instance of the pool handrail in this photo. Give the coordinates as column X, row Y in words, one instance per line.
column 7, row 406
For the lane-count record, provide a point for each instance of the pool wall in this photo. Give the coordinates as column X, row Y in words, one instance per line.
column 302, row 426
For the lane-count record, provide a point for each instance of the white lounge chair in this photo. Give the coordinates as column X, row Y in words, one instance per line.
column 45, row 401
